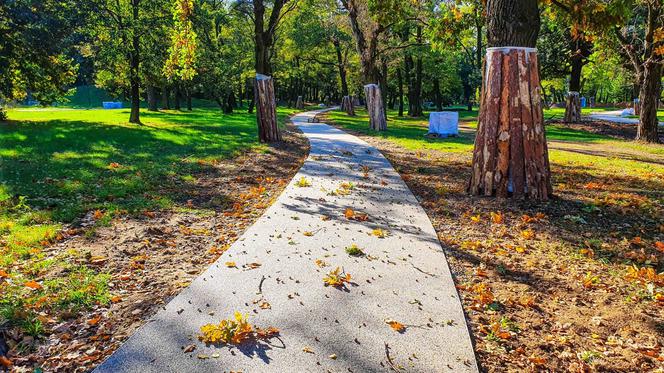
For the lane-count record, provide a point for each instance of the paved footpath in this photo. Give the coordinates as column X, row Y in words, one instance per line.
column 403, row 277
column 615, row 116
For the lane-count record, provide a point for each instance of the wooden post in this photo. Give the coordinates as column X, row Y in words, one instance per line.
column 300, row 103
column 347, row 105
column 266, row 109
column 573, row 108
column 377, row 120
column 511, row 155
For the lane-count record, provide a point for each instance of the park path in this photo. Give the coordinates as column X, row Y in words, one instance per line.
column 615, row 116
column 403, row 277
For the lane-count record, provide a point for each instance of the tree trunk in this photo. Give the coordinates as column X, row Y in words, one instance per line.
column 152, row 98
column 266, row 110
column 573, row 103
column 188, row 92
column 135, row 65
column 511, row 156
column 400, row 83
column 573, row 107
column 651, row 89
column 300, row 103
column 176, row 98
column 377, row 120
column 165, row 105
column 436, row 95
column 347, row 105
column 342, row 67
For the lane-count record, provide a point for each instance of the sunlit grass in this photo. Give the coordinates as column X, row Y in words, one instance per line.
column 59, row 164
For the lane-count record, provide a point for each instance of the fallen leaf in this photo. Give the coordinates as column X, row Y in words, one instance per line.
column 379, row 233
column 34, row 285
column 189, row 349
column 659, row 245
column 5, row 362
column 349, row 213
column 497, row 217
column 231, row 265
column 265, row 305
column 114, row 165
column 528, row 234
column 308, row 350
column 396, row 326
column 320, row 263
column 308, row 234
column 98, row 214
column 94, row 321
column 333, row 356
column 3, row 274
column 253, row 265
column 476, row 219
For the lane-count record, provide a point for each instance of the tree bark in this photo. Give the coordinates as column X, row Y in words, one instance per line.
column 266, row 111
column 165, row 105
column 377, row 120
column 300, row 103
column 341, row 66
column 400, row 83
column 135, row 65
column 573, row 107
column 188, row 93
column 651, row 89
column 152, row 98
column 176, row 98
column 347, row 105
column 436, row 94
column 511, row 156
column 573, row 103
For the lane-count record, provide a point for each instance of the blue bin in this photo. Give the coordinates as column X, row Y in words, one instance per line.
column 111, row 105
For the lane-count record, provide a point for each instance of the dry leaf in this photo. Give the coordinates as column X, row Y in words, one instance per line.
column 3, row 274
column 94, row 321
column 308, row 350
column 497, row 217
column 308, row 234
column 98, row 214
column 379, row 233
column 253, row 265
column 396, row 326
column 320, row 263
column 189, row 349
column 265, row 305
column 231, row 265
column 34, row 285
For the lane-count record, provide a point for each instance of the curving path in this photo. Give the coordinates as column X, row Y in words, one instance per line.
column 403, row 277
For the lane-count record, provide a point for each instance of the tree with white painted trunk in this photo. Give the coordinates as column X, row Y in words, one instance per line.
column 510, row 156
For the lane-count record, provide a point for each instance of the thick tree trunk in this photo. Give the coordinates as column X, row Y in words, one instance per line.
column 165, row 105
column 299, row 105
column 189, row 107
column 152, row 98
column 377, row 120
column 573, row 103
column 347, row 105
column 651, row 89
column 176, row 98
column 511, row 155
column 266, row 109
column 573, row 107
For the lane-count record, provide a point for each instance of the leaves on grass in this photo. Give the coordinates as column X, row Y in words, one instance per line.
column 98, row 214
column 337, row 278
column 3, row 274
column 34, row 285
column 114, row 166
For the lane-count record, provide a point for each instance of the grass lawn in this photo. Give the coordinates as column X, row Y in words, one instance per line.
column 61, row 166
column 574, row 284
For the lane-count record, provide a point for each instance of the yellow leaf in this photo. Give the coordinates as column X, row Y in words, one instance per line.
column 497, row 217
column 380, row 233
column 231, row 265
column 476, row 219
column 308, row 234
column 528, row 234
column 308, row 350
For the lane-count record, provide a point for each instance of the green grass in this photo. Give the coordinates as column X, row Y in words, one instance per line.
column 410, row 134
column 59, row 164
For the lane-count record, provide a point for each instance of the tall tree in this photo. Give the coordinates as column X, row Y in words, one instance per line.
column 265, row 20
column 642, row 39
column 34, row 39
column 510, row 155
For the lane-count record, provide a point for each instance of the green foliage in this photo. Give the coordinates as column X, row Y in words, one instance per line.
column 182, row 52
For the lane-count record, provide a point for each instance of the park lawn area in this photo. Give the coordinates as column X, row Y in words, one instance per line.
column 68, row 173
column 573, row 284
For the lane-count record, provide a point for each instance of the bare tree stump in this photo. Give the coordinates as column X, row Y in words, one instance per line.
column 347, row 105
column 511, row 155
column 377, row 120
column 266, row 109
column 300, row 103
column 573, row 108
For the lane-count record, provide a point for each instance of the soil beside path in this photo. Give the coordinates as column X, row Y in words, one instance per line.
column 347, row 208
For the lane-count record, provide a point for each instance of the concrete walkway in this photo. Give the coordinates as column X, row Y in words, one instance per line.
column 614, row 116
column 403, row 277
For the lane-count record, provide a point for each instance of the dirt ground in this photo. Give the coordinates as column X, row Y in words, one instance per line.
column 550, row 287
column 152, row 257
